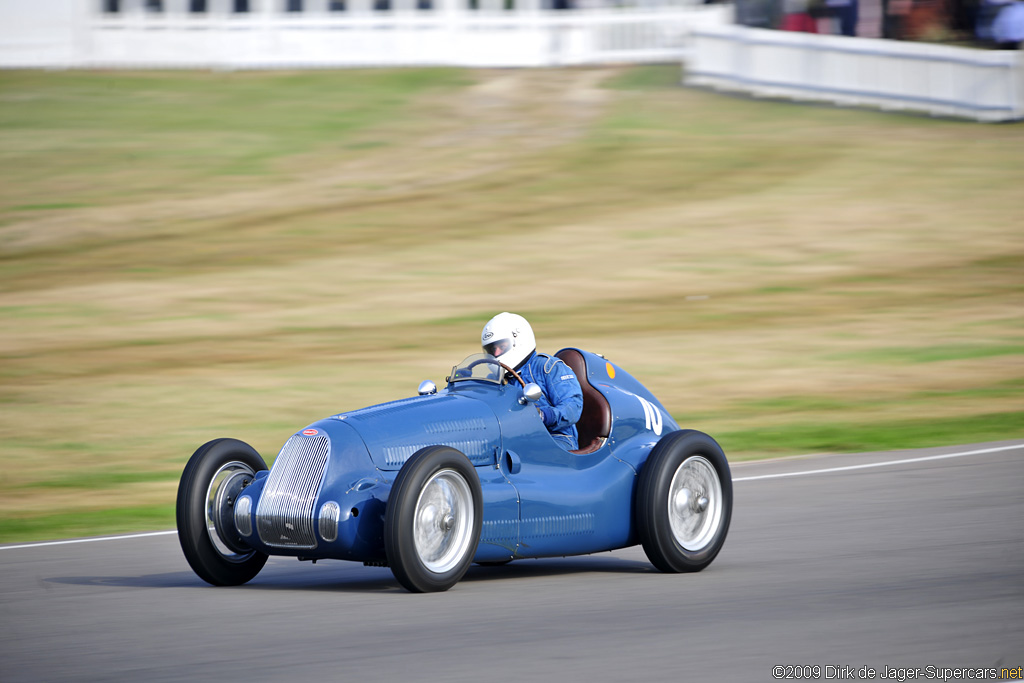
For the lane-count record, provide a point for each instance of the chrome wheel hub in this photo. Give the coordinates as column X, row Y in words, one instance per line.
column 221, row 494
column 695, row 503
column 443, row 521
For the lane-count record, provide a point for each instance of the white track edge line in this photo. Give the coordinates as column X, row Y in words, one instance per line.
column 88, row 540
column 886, row 463
column 735, row 479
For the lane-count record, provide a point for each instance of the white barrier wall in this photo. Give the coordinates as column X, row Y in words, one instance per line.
column 171, row 34
column 40, row 32
column 986, row 85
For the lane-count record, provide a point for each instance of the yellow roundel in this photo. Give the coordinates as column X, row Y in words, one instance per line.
column 611, row 370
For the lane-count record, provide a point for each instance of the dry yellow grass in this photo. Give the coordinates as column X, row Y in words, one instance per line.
column 760, row 266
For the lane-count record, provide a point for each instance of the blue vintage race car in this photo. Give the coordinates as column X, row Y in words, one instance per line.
column 430, row 484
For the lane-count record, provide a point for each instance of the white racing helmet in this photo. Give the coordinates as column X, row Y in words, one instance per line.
column 509, row 338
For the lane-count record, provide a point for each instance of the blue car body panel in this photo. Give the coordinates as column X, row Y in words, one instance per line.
column 393, row 432
column 538, row 499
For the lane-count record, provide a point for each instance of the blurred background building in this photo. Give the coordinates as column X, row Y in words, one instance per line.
column 831, row 50
column 239, row 34
column 979, row 23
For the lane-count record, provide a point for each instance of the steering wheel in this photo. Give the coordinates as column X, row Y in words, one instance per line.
column 495, row 361
column 514, row 373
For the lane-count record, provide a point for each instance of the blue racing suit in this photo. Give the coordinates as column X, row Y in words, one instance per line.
column 562, row 402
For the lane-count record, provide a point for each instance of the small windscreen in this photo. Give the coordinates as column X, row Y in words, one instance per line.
column 481, row 367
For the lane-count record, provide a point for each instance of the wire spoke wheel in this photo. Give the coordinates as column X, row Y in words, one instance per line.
column 225, row 485
column 433, row 520
column 444, row 521
column 684, row 502
column 695, row 503
column 213, row 478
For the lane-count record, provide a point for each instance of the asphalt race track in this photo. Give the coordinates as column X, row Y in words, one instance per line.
column 914, row 561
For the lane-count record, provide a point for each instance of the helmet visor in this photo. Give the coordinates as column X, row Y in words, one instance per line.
column 497, row 348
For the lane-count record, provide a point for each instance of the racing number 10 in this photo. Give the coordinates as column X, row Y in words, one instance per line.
column 652, row 415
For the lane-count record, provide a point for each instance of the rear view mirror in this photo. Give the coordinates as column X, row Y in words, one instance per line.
column 531, row 394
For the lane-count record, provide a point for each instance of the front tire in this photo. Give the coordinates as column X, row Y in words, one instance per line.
column 684, row 502
column 433, row 520
column 214, row 476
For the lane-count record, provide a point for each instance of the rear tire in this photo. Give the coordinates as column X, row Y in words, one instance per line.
column 214, row 476
column 433, row 520
column 684, row 502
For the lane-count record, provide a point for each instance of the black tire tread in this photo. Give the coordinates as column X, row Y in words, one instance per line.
column 398, row 543
column 190, row 513
column 651, row 501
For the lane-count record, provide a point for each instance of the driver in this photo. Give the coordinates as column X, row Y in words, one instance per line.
column 509, row 338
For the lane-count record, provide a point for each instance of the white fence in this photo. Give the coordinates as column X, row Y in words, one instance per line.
column 987, row 85
column 77, row 34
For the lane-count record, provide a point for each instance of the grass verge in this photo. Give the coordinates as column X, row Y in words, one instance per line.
column 185, row 256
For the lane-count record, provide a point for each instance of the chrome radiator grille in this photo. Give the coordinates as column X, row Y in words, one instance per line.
column 284, row 516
